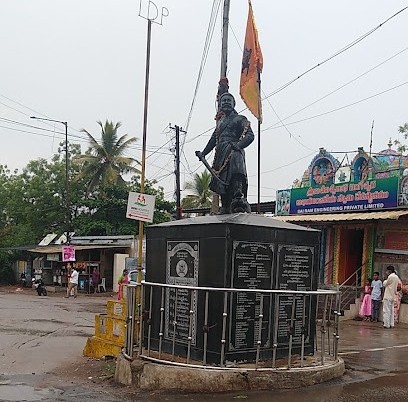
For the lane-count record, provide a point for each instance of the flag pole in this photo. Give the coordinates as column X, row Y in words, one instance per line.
column 258, row 209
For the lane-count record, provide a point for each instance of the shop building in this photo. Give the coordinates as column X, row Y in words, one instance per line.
column 361, row 209
column 106, row 253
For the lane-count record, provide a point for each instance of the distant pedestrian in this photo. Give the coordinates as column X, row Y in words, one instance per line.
column 95, row 279
column 390, row 291
column 23, row 279
column 376, row 292
column 123, row 280
column 365, row 309
column 73, row 283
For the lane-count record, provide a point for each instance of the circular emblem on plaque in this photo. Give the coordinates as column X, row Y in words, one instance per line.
column 181, row 268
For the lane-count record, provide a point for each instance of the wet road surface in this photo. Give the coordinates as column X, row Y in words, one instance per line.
column 38, row 335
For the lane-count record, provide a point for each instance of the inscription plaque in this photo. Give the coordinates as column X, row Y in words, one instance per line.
column 182, row 269
column 251, row 269
column 295, row 272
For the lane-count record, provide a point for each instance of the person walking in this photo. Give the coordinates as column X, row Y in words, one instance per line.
column 95, row 279
column 376, row 290
column 73, row 283
column 390, row 291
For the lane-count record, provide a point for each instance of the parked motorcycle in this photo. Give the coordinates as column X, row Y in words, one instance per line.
column 39, row 287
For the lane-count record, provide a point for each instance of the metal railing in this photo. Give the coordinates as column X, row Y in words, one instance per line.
column 351, row 291
column 306, row 336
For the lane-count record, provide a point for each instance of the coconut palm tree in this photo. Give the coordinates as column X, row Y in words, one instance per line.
column 104, row 162
column 201, row 196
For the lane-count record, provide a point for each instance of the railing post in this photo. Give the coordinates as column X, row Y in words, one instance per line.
column 174, row 326
column 190, row 326
column 130, row 322
column 149, row 323
column 224, row 329
column 291, row 330
column 323, row 331
column 205, row 329
column 336, row 336
column 302, row 350
column 275, row 329
column 161, row 322
column 140, row 317
column 259, row 341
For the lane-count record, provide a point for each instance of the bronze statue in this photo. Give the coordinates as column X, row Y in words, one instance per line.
column 229, row 177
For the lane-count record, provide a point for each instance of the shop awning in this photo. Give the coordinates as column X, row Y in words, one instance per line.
column 339, row 217
column 52, row 249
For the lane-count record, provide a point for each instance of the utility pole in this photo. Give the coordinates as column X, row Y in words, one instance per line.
column 67, row 194
column 145, row 12
column 223, row 75
column 177, row 171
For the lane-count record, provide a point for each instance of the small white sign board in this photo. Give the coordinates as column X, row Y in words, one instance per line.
column 140, row 207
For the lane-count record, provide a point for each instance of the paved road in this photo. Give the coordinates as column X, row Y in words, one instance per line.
column 38, row 335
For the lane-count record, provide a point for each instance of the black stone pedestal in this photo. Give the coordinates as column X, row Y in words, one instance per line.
column 243, row 251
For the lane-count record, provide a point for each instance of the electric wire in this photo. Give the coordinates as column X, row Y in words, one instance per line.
column 270, row 104
column 343, row 86
column 339, row 108
column 207, row 43
column 342, row 50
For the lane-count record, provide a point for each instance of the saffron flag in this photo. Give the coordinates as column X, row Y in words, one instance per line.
column 252, row 63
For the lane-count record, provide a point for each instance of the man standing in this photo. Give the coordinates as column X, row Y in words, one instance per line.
column 390, row 292
column 229, row 177
column 376, row 290
column 73, row 283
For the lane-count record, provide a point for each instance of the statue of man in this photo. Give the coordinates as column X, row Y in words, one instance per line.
column 232, row 134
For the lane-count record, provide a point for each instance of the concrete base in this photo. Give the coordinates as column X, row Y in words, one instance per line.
column 151, row 376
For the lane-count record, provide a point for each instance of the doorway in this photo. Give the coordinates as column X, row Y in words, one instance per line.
column 351, row 255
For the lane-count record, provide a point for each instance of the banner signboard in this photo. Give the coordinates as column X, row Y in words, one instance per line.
column 347, row 197
column 140, row 207
column 68, row 253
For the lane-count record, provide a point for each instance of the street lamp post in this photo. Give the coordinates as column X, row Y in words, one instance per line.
column 67, row 198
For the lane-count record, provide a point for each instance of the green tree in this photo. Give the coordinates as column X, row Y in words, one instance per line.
column 201, row 196
column 404, row 131
column 107, row 215
column 104, row 163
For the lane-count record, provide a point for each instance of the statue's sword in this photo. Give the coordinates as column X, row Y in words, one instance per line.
column 209, row 168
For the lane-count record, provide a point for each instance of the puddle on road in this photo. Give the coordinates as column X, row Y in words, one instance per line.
column 22, row 392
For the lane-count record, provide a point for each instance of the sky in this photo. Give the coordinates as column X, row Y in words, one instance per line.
column 82, row 61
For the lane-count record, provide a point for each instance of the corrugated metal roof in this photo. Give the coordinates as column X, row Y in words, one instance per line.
column 349, row 216
column 52, row 249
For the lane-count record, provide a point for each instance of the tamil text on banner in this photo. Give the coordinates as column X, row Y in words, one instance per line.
column 140, row 207
column 68, row 253
column 366, row 195
column 252, row 63
column 348, row 197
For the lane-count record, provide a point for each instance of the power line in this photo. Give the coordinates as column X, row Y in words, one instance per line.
column 271, row 106
column 77, row 137
column 343, row 85
column 344, row 49
column 209, row 35
column 287, row 164
column 340, row 108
